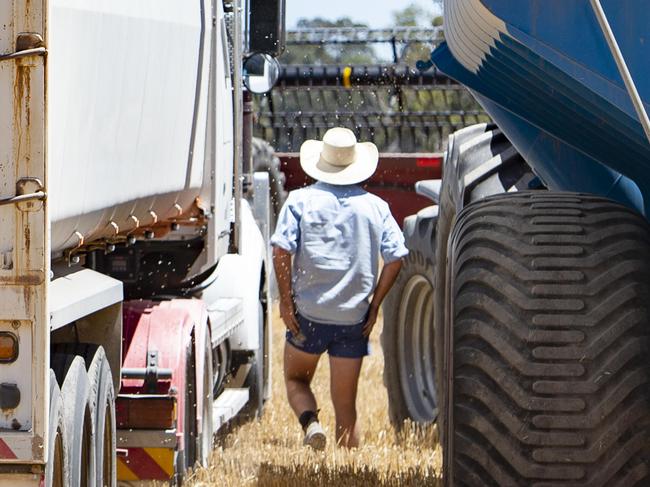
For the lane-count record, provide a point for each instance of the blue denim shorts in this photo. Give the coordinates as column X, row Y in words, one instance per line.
column 346, row 341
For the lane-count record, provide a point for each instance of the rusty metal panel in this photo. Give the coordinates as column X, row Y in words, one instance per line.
column 7, row 171
column 24, row 240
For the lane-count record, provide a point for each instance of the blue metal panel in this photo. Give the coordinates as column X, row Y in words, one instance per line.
column 570, row 28
column 559, row 164
column 549, row 80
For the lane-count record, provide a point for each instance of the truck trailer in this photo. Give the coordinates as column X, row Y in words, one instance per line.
column 520, row 323
column 134, row 272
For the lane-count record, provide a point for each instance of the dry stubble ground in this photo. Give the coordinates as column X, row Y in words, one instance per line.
column 269, row 452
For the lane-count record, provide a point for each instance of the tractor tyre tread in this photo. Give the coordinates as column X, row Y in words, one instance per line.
column 550, row 300
column 480, row 162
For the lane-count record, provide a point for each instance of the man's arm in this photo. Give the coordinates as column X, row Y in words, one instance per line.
column 386, row 280
column 282, row 266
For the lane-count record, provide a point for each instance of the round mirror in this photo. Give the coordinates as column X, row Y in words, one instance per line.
column 261, row 72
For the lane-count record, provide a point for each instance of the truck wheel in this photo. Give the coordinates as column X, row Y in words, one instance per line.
column 78, row 417
column 189, row 456
column 102, row 401
column 266, row 338
column 207, row 423
column 265, row 160
column 546, row 343
column 255, row 379
column 56, row 471
column 480, row 162
column 407, row 337
column 101, row 389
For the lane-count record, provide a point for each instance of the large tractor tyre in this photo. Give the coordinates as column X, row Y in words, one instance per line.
column 407, row 337
column 480, row 162
column 547, row 342
column 265, row 160
column 78, row 418
column 56, row 470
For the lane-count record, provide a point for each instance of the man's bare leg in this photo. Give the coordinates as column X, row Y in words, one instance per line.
column 344, row 379
column 299, row 368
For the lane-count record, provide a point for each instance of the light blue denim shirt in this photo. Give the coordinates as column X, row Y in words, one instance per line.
column 336, row 234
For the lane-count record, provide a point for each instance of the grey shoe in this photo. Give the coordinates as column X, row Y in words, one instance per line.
column 315, row 436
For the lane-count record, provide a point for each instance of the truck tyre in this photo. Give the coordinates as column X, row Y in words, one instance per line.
column 265, row 160
column 101, row 389
column 78, row 417
column 187, row 458
column 102, row 401
column 266, row 338
column 479, row 162
column 546, row 343
column 56, row 471
column 255, row 378
column 407, row 336
column 205, row 441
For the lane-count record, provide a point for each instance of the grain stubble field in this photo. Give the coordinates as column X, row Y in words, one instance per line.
column 269, row 452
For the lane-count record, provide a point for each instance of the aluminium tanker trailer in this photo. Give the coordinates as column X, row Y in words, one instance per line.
column 522, row 320
column 133, row 262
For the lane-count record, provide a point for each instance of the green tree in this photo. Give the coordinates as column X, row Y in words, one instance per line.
column 414, row 15
column 329, row 53
column 438, row 7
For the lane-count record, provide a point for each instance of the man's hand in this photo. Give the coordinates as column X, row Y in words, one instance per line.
column 386, row 279
column 288, row 315
column 282, row 266
column 370, row 321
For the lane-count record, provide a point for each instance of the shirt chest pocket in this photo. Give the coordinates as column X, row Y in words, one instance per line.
column 326, row 239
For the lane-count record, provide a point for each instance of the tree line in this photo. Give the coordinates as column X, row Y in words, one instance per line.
column 412, row 15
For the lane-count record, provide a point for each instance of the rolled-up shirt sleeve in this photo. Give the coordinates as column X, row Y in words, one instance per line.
column 392, row 240
column 287, row 229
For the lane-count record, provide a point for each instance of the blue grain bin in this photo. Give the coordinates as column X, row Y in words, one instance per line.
column 544, row 71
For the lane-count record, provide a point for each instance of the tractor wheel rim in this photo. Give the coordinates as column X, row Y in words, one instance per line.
column 415, row 349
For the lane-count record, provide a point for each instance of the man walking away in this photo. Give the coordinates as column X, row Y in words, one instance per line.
column 335, row 231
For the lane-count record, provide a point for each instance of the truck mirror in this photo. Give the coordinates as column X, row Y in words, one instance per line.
column 261, row 73
column 267, row 26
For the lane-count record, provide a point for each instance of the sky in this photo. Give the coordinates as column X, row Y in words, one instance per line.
column 377, row 13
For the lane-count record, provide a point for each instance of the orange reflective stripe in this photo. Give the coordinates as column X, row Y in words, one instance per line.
column 146, row 464
column 164, row 457
column 124, row 473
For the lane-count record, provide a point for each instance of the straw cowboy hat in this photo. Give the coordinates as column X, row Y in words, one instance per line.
column 339, row 159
